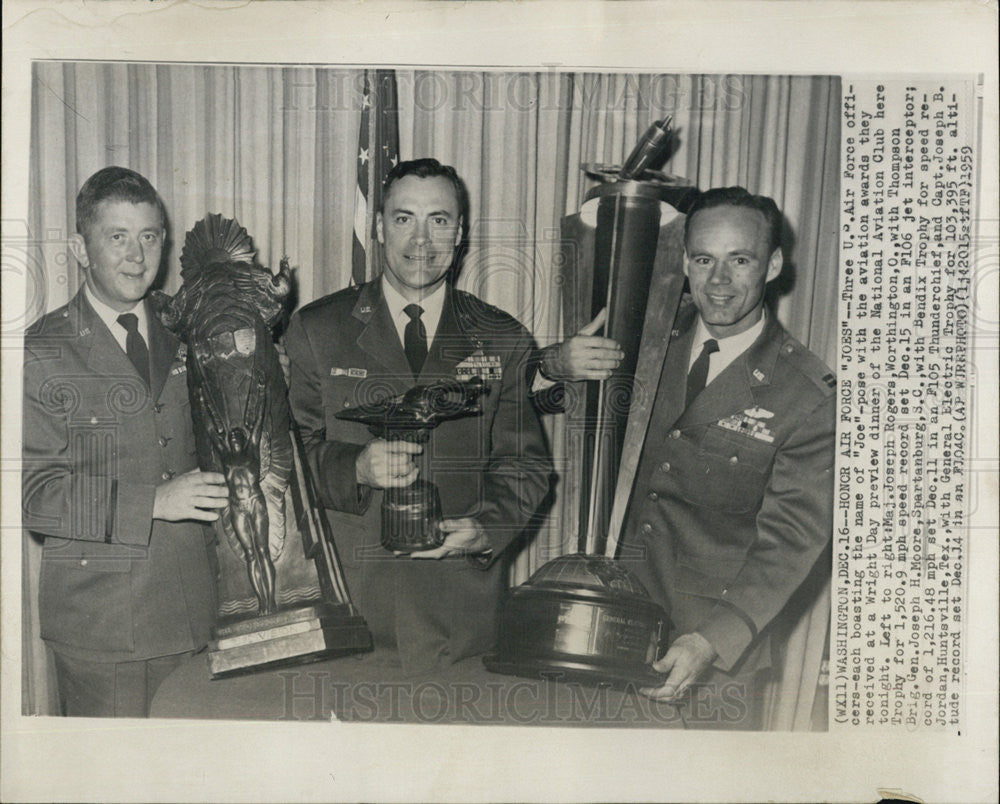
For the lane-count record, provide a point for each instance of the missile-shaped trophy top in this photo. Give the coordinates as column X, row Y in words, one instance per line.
column 639, row 175
column 650, row 150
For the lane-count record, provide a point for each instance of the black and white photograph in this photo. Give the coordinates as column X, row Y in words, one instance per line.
column 535, row 415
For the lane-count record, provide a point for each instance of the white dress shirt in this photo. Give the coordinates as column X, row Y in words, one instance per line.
column 432, row 306
column 110, row 318
column 729, row 348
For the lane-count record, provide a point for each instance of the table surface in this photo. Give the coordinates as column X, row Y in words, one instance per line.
column 371, row 688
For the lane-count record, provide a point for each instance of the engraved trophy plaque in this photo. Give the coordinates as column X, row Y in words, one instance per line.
column 581, row 618
column 282, row 596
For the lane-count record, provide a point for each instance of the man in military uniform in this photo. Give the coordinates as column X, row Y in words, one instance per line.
column 410, row 327
column 110, row 479
column 732, row 501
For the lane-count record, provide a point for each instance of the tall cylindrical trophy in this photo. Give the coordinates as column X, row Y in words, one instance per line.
column 585, row 616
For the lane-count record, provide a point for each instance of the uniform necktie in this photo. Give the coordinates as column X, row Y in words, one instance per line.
column 135, row 345
column 415, row 339
column 698, row 374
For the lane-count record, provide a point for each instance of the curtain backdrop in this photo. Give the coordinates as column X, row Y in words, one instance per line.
column 276, row 148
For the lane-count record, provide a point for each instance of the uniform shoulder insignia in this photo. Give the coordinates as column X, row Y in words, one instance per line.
column 477, row 304
column 346, row 296
column 54, row 323
column 476, row 314
column 810, row 365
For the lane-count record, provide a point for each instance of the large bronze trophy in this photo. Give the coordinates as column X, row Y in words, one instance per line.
column 282, row 597
column 585, row 616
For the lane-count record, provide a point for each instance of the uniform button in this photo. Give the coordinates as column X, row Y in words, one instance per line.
column 83, row 562
column 734, row 459
column 653, row 495
column 647, row 528
column 157, row 407
column 93, row 420
column 675, row 433
column 163, row 441
column 347, row 403
column 665, row 467
column 168, row 475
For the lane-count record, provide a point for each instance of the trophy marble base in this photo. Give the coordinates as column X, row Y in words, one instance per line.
column 296, row 636
column 580, row 618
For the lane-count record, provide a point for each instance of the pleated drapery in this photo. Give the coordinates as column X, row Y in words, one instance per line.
column 276, row 148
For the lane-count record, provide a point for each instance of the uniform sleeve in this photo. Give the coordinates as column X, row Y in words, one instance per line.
column 548, row 395
column 67, row 490
column 794, row 525
column 519, row 468
column 332, row 462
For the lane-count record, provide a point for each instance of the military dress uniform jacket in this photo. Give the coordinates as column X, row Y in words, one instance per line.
column 344, row 351
column 115, row 584
column 732, row 503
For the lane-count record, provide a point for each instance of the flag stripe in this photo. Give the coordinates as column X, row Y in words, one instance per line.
column 378, row 152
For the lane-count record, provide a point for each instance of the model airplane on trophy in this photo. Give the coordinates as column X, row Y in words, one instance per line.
column 410, row 515
column 281, row 589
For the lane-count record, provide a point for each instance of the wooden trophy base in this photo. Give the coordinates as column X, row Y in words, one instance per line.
column 304, row 634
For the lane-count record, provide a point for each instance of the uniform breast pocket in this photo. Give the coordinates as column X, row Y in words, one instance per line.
column 339, row 393
column 723, row 472
column 110, row 403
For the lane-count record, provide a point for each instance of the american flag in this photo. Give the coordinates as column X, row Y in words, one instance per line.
column 378, row 152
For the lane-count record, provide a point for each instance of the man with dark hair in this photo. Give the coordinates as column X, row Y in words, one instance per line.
column 739, row 197
column 428, row 168
column 732, row 501
column 109, row 472
column 410, row 327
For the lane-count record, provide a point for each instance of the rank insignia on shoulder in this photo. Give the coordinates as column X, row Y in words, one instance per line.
column 357, row 373
column 748, row 425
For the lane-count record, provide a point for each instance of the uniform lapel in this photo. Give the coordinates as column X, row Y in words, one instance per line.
column 105, row 356
column 162, row 349
column 378, row 338
column 673, row 379
column 451, row 344
column 733, row 389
